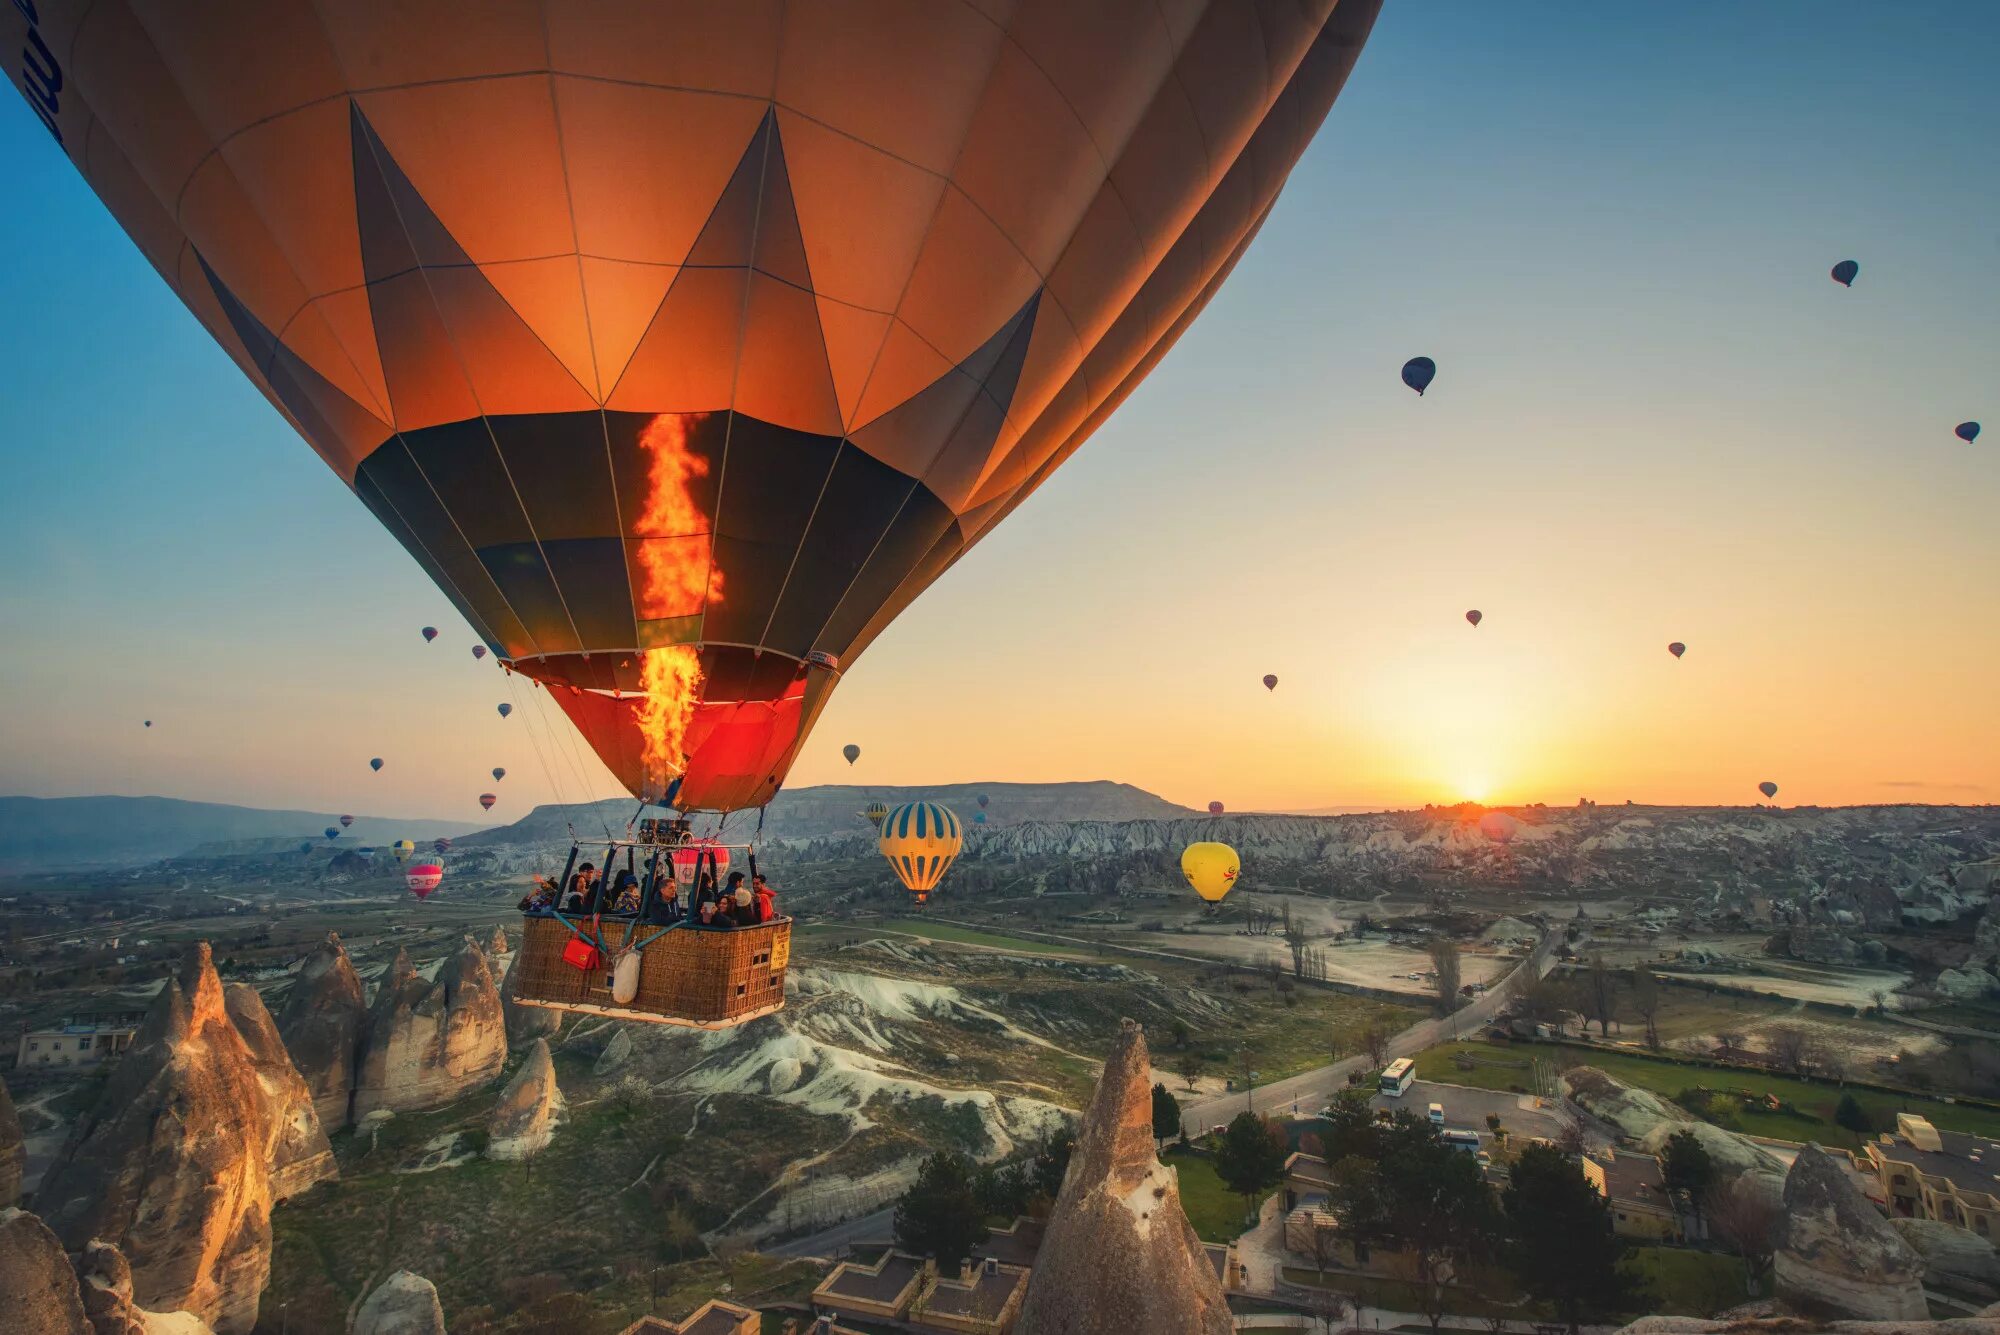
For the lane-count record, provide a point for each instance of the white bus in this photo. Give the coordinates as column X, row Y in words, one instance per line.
column 1397, row 1077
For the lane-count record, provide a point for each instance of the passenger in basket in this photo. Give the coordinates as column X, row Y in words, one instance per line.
column 667, row 907
column 727, row 914
column 581, row 895
column 767, row 898
column 625, row 895
column 540, row 899
column 707, row 914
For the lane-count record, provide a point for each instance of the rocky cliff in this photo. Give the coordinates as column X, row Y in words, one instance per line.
column 325, row 1015
column 428, row 1044
column 1840, row 1257
column 173, row 1164
column 525, row 1023
column 49, row 1293
column 1118, row 1254
column 524, row 1120
column 13, row 1151
column 295, row 1143
column 403, row 1304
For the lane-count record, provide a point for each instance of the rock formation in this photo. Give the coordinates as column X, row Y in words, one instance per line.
column 1985, row 1323
column 1635, row 1112
column 1956, row 1260
column 296, row 1144
column 524, row 1120
column 173, row 1164
column 104, row 1279
column 1730, row 1153
column 39, row 1287
column 616, row 1053
column 499, row 945
column 428, row 1044
column 325, row 1014
column 1839, row 1256
column 403, row 1304
column 13, row 1151
column 525, row 1024
column 1118, row 1253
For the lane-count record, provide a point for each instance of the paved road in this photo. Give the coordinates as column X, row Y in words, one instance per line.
column 830, row 1242
column 1314, row 1089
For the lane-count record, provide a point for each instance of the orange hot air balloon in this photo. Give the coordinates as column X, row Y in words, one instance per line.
column 684, row 347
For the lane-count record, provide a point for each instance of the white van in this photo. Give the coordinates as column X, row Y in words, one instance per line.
column 1437, row 1114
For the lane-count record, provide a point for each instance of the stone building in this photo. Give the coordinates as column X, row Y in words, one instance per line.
column 1949, row 1176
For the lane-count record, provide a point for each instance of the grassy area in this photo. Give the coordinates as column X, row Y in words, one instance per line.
column 1492, row 1293
column 1215, row 1211
column 1499, row 1066
column 1689, row 1283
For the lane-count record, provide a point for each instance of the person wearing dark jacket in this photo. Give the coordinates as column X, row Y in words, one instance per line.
column 667, row 908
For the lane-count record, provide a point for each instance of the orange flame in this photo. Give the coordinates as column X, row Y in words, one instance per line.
column 673, row 551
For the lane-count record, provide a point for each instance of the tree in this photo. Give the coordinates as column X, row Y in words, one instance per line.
column 1050, row 1165
column 1746, row 1218
column 1792, row 1048
column 1166, row 1114
column 1375, row 1042
column 1646, row 1001
column 1180, row 1031
column 1687, row 1170
column 939, row 1216
column 1251, row 1158
column 1850, row 1114
column 1445, row 963
column 1600, row 994
column 1188, row 1067
column 1560, row 1244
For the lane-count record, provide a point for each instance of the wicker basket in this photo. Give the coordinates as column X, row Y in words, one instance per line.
column 699, row 977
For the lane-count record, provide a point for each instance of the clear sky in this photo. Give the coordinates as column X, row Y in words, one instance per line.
column 1655, row 419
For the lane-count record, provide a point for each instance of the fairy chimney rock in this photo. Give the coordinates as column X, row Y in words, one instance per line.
column 325, row 1015
column 524, row 1120
column 1840, row 1257
column 429, row 1044
column 296, row 1148
column 525, row 1023
column 13, row 1151
column 403, row 1304
column 1118, row 1253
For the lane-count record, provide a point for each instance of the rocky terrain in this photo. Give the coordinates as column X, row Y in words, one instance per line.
column 428, row 1043
column 325, row 1018
column 1839, row 1256
column 295, row 1144
column 524, row 1120
column 13, row 1151
column 1118, row 1253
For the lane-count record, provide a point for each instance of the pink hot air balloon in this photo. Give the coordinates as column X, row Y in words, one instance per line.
column 1677, row 648
column 423, row 877
column 346, row 821
column 1475, row 616
column 1215, row 808
column 687, row 861
column 487, row 800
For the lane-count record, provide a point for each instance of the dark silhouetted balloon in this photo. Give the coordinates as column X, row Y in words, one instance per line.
column 1965, row 431
column 487, row 800
column 346, row 821
column 499, row 773
column 1767, row 788
column 1845, row 272
column 375, row 764
column 306, row 847
column 982, row 801
column 1677, row 648
column 430, row 633
column 479, row 651
column 1475, row 616
column 505, row 710
column 149, row 723
column 1215, row 808
column 852, row 752
column 978, row 818
column 1270, row 681
column 1418, row 372
column 331, row 832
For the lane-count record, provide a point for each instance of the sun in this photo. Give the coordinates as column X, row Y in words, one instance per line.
column 1474, row 787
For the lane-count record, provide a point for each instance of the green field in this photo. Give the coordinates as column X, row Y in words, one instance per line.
column 1215, row 1211
column 1689, row 1283
column 1499, row 1068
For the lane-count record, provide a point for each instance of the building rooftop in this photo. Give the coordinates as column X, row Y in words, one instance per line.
column 1969, row 1163
column 1635, row 1178
column 1015, row 1244
column 880, row 1282
column 716, row 1317
column 1218, row 1256
column 982, row 1296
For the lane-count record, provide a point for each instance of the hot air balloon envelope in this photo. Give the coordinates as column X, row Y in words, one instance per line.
column 875, row 813
column 1677, row 648
column 149, row 723
column 1418, row 372
column 376, row 763
column 430, row 633
column 402, row 848
column 1215, row 808
column 346, row 821
column 306, row 847
column 1767, row 788
column 423, row 877
column 684, row 355
column 1475, row 616
column 687, row 862
column 441, row 845
column 1270, row 681
column 852, row 752
column 921, row 839
column 487, row 800
column 982, row 801
column 505, row 709
column 978, row 818
column 1499, row 827
column 1845, row 272
column 332, row 832
column 479, row 651
column 1211, row 869
column 1965, row 431
column 499, row 773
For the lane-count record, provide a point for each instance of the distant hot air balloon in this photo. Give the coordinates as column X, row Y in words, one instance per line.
column 1677, row 648
column 978, row 818
column 1499, row 827
column 505, row 709
column 1475, row 616
column 332, row 832
column 1270, row 681
column 149, row 722
column 346, row 821
column 306, row 847
column 430, row 633
column 689, row 860
column 375, row 764
column 402, row 848
column 920, row 839
column 1211, row 869
column 1215, row 808
column 423, row 877
column 479, row 651
column 1767, row 788
column 441, row 845
column 378, row 211
column 487, row 800
column 1845, row 272
column 1418, row 372
column 982, row 801
column 852, row 752
column 1965, row 431
column 875, row 813
column 499, row 773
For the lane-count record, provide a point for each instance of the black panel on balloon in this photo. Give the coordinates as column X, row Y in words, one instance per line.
column 561, row 471
column 923, row 520
column 590, row 573
column 862, row 499
column 463, row 466
column 772, row 481
column 525, row 581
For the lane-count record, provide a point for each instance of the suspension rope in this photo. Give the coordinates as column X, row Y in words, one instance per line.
column 541, row 758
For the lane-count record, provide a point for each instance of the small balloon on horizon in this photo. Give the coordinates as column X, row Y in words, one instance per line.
column 1845, row 272
column 1418, row 372
column 852, row 752
column 479, row 651
column 1677, row 648
column 1768, row 789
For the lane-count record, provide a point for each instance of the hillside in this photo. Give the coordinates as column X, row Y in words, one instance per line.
column 39, row 833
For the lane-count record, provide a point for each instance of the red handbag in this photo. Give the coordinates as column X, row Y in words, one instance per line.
column 580, row 954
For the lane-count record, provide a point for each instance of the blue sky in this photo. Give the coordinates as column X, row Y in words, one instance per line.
column 1655, row 418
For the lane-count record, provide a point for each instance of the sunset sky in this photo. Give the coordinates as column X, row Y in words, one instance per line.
column 1655, row 419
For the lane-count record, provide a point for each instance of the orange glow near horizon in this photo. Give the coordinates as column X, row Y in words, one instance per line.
column 675, row 580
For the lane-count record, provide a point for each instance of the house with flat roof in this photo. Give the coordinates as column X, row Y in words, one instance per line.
column 1950, row 1176
column 714, row 1317
column 1632, row 1184
column 84, row 1034
column 983, row 1298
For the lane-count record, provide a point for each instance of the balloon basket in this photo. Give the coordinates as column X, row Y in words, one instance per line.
column 696, row 977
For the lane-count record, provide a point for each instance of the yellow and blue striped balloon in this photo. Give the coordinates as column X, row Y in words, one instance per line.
column 921, row 839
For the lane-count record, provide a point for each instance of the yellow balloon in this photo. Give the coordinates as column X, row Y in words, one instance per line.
column 921, row 839
column 403, row 848
column 1211, row 869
